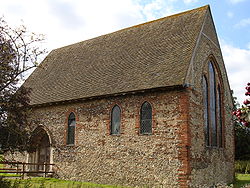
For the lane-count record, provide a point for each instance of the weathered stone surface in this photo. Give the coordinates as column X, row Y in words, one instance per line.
column 209, row 164
column 129, row 158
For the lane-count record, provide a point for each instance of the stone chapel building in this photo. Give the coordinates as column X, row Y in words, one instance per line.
column 146, row 105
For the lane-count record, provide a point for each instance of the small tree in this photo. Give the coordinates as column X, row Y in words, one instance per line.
column 243, row 113
column 242, row 131
column 19, row 53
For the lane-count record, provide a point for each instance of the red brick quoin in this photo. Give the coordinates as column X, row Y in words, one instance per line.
column 185, row 140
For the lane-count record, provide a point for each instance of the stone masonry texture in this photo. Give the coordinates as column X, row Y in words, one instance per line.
column 128, row 158
column 209, row 165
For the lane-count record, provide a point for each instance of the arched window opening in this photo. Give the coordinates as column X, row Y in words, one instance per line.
column 71, row 129
column 212, row 105
column 205, row 104
column 146, row 119
column 115, row 120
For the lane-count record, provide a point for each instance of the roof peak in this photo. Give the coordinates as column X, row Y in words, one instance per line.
column 202, row 8
column 170, row 16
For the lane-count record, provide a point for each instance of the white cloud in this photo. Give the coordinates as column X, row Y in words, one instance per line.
column 65, row 21
column 243, row 23
column 236, row 1
column 189, row 1
column 157, row 8
column 238, row 66
column 65, row 13
column 230, row 14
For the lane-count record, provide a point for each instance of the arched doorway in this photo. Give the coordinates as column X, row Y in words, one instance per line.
column 40, row 150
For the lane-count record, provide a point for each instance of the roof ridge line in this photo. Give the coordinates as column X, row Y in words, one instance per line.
column 170, row 16
column 141, row 24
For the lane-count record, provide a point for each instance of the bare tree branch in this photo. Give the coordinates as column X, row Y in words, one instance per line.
column 19, row 53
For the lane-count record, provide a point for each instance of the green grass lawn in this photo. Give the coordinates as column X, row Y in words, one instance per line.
column 4, row 174
column 55, row 183
column 9, row 175
column 241, row 179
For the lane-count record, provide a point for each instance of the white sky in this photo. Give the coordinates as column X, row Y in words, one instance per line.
column 68, row 21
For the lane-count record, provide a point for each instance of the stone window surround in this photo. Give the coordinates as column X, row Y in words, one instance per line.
column 137, row 123
column 66, row 126
column 110, row 108
column 111, row 115
column 71, row 129
column 137, row 117
column 219, row 83
column 141, row 109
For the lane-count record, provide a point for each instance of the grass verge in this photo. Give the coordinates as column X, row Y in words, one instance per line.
column 241, row 180
column 242, row 167
column 55, row 183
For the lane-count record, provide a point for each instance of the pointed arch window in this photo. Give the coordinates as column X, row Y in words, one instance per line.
column 212, row 102
column 146, row 119
column 71, row 129
column 115, row 120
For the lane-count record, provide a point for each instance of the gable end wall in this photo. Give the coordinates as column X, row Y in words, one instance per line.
column 216, row 163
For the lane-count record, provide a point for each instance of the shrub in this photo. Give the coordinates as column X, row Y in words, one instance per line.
column 4, row 183
column 242, row 167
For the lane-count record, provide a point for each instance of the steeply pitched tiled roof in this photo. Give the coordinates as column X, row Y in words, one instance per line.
column 150, row 55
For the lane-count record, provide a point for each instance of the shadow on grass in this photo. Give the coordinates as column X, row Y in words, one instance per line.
column 240, row 183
